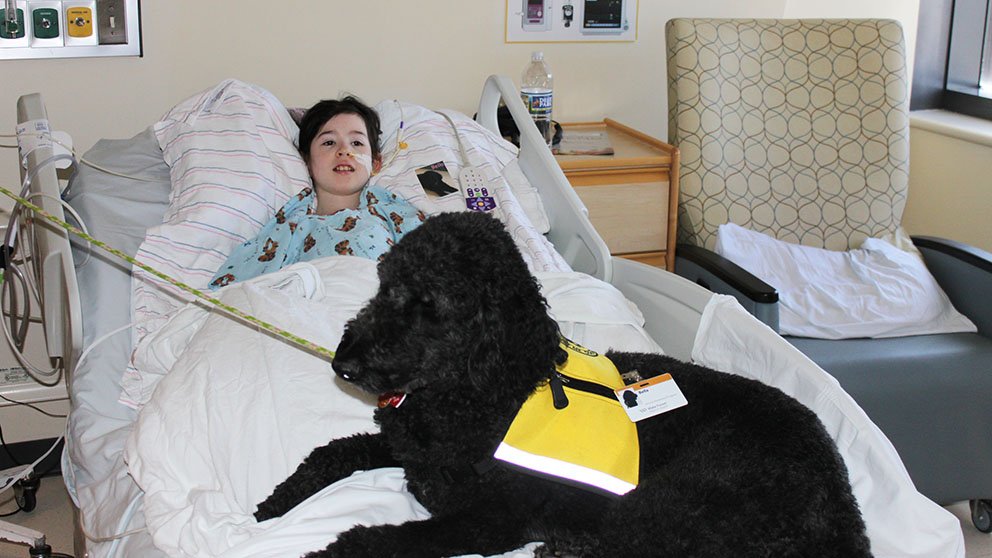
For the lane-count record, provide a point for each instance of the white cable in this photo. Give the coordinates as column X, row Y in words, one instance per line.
column 129, row 512
column 38, row 374
column 89, row 163
column 125, row 520
column 75, row 215
column 27, row 470
column 76, row 157
column 101, row 339
column 34, row 371
column 37, row 168
column 458, row 137
column 29, row 367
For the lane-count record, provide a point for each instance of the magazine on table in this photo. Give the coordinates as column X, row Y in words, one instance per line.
column 584, row 143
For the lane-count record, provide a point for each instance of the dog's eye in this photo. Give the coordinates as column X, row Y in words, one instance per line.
column 396, row 295
column 425, row 305
column 426, row 302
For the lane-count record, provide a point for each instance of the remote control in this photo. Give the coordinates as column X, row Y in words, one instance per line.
column 473, row 186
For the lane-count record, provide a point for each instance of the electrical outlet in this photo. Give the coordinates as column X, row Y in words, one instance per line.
column 111, row 22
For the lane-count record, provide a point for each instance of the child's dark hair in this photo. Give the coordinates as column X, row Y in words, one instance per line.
column 318, row 115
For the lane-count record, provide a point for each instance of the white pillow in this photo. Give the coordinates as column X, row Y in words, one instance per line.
column 233, row 163
column 877, row 290
column 430, row 139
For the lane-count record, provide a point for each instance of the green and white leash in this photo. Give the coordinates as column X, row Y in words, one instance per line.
column 225, row 308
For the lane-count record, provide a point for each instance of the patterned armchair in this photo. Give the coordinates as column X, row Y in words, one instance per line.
column 800, row 129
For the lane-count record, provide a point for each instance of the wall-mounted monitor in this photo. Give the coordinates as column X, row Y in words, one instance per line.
column 604, row 16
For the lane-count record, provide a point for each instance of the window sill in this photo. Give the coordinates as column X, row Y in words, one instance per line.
column 952, row 124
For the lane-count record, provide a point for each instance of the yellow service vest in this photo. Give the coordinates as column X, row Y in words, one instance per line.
column 591, row 441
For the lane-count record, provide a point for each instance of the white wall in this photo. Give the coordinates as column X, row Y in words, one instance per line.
column 949, row 192
column 434, row 52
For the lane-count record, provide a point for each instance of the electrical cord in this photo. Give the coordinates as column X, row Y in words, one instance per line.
column 31, row 406
column 76, row 157
column 17, row 336
column 6, row 449
column 28, row 470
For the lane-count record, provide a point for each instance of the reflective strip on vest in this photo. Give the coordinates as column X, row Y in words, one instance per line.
column 591, row 441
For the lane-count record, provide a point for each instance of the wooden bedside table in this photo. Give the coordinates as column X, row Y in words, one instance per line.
column 632, row 195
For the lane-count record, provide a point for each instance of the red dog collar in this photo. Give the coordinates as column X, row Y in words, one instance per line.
column 392, row 399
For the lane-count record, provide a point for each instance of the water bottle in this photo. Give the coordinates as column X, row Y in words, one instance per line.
column 535, row 90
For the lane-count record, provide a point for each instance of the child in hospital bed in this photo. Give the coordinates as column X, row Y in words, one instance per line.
column 341, row 214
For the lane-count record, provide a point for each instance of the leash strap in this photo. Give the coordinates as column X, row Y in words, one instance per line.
column 225, row 308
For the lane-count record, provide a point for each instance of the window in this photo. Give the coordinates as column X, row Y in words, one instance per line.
column 953, row 67
column 967, row 64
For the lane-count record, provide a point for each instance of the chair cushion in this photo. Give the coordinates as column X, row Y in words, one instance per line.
column 929, row 394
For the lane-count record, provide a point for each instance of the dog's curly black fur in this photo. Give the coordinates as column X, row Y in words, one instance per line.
column 459, row 323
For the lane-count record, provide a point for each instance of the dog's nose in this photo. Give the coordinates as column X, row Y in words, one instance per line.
column 343, row 363
column 343, row 369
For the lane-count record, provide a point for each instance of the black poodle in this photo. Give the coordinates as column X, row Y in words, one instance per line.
column 459, row 337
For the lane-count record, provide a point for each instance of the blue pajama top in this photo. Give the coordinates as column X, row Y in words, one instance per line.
column 298, row 234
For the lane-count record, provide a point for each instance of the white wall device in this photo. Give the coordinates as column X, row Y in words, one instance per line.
column 536, row 15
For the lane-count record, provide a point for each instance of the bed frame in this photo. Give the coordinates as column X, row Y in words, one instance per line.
column 672, row 306
column 53, row 264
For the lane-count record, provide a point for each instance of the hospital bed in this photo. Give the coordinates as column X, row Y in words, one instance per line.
column 142, row 469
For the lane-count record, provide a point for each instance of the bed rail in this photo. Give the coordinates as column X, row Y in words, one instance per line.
column 52, row 256
column 672, row 306
column 575, row 239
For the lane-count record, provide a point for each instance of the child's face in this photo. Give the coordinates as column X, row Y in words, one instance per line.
column 341, row 157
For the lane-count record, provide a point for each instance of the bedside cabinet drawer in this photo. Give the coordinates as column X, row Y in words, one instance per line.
column 632, row 194
column 630, row 217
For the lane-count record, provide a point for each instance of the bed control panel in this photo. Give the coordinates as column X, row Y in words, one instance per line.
column 69, row 28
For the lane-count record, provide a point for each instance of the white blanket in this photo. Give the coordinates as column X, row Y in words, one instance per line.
column 235, row 411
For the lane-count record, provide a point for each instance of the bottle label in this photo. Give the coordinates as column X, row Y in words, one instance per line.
column 538, row 104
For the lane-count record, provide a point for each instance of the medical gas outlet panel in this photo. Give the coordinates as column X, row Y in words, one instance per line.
column 566, row 21
column 69, row 28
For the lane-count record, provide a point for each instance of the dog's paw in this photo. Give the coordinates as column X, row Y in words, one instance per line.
column 353, row 543
column 554, row 551
column 267, row 510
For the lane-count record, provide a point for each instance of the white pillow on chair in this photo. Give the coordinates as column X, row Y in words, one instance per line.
column 877, row 290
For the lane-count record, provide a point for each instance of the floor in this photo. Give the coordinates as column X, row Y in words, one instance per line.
column 53, row 516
